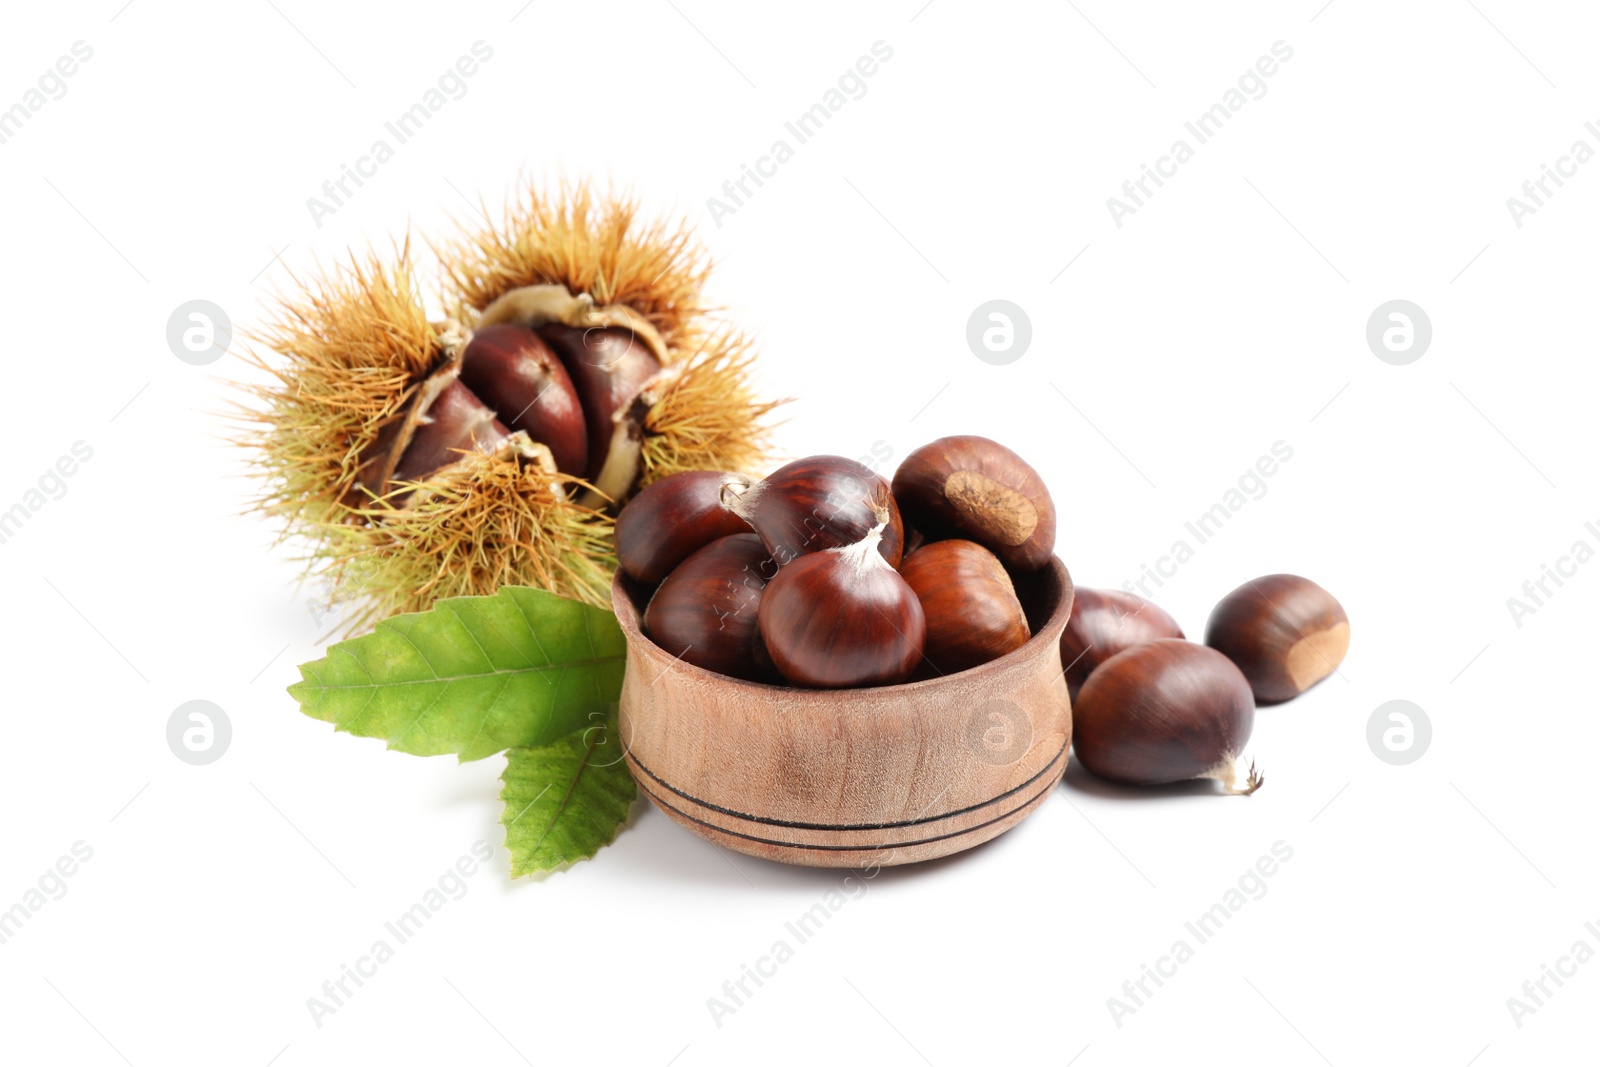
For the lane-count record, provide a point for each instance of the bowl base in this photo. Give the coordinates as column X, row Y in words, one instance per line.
column 857, row 847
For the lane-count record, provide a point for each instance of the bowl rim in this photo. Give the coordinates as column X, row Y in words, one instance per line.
column 631, row 621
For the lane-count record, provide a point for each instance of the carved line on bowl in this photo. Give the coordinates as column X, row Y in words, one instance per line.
column 793, row 825
column 1024, row 806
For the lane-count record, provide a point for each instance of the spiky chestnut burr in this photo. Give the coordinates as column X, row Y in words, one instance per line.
column 356, row 368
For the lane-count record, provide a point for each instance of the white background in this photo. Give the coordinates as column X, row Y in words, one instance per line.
column 1227, row 314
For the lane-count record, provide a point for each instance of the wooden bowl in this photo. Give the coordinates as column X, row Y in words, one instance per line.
column 856, row 777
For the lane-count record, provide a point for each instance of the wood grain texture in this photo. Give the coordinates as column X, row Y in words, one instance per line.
column 851, row 778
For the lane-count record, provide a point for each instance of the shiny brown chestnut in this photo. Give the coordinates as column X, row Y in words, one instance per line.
column 706, row 611
column 670, row 519
column 818, row 503
column 843, row 618
column 514, row 372
column 456, row 423
column 1165, row 711
column 1285, row 632
column 975, row 488
column 610, row 367
column 1103, row 623
column 972, row 611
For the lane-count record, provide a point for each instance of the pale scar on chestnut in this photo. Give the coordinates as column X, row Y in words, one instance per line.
column 1315, row 656
column 1009, row 515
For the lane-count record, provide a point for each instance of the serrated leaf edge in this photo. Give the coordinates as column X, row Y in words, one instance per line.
column 539, row 874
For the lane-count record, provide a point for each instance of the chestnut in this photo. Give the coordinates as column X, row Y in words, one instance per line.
column 842, row 618
column 1103, row 623
column 514, row 372
column 610, row 366
column 972, row 611
column 706, row 610
column 1285, row 632
column 454, row 423
column 670, row 519
column 975, row 488
column 818, row 503
column 1165, row 711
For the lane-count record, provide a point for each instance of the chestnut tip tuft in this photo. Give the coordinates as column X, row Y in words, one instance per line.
column 1166, row 711
column 670, row 519
column 818, row 503
column 843, row 618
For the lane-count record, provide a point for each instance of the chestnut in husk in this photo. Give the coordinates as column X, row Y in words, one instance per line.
column 455, row 423
column 514, row 372
column 610, row 367
column 356, row 370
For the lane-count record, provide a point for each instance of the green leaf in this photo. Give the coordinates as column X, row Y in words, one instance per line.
column 565, row 801
column 473, row 676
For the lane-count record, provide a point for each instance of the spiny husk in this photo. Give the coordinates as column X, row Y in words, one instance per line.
column 353, row 347
column 590, row 242
column 470, row 528
column 710, row 417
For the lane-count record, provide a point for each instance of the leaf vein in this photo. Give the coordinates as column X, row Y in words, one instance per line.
column 488, row 712
column 461, row 621
column 567, row 796
column 569, row 665
column 423, row 656
column 533, row 631
column 425, row 709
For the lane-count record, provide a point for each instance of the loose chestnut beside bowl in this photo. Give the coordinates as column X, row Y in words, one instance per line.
column 1285, row 632
column 1105, row 622
column 1166, row 711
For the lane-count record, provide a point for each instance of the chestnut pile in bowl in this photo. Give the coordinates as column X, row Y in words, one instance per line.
column 803, row 578
column 1150, row 708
